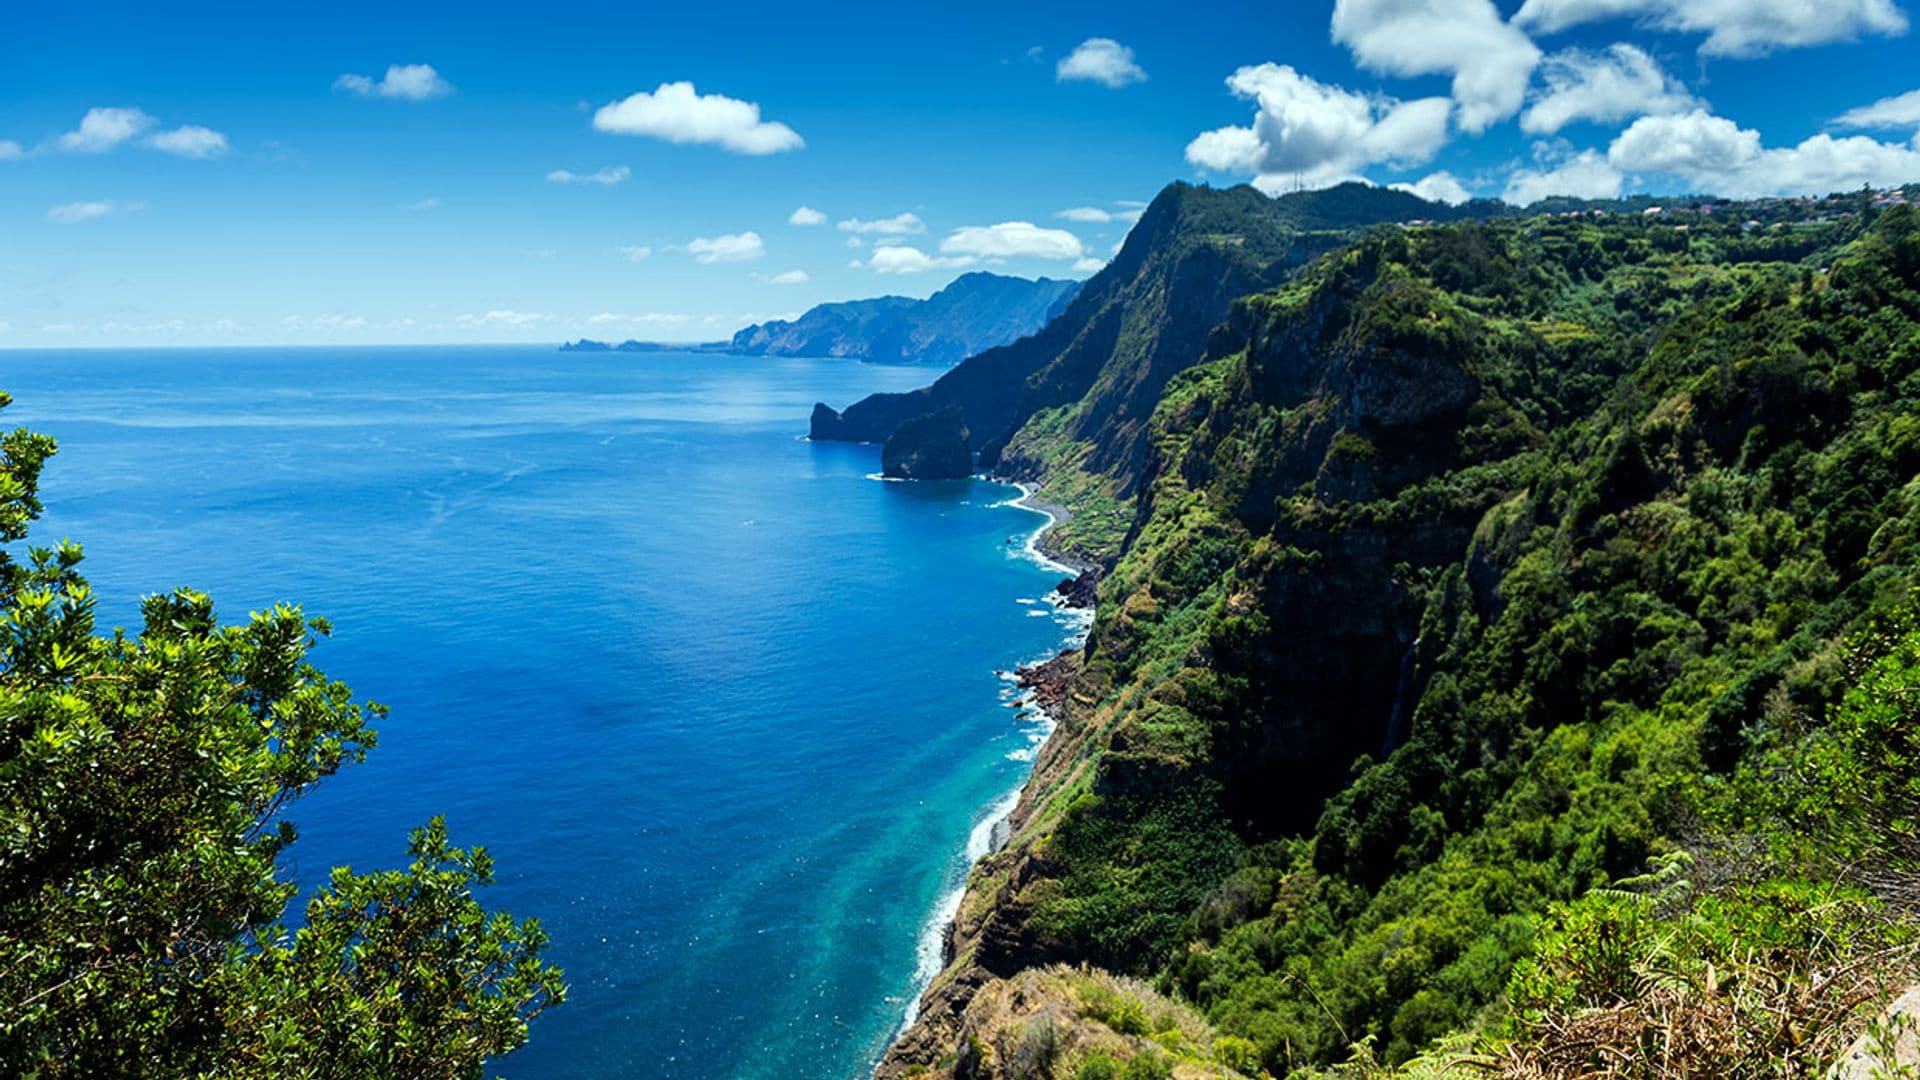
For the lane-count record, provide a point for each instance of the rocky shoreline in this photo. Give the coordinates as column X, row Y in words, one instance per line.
column 1048, row 684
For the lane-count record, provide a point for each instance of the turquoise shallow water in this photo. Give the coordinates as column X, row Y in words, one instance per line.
column 723, row 706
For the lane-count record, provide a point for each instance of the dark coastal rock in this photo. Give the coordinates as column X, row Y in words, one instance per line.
column 1050, row 680
column 827, row 424
column 931, row 447
column 1080, row 591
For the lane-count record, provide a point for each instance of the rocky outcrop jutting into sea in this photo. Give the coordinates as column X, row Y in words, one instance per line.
column 931, row 447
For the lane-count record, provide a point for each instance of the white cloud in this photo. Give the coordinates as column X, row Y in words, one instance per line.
column 411, row 82
column 1086, row 214
column 330, row 321
column 1310, row 133
column 607, row 177
column 1718, row 156
column 1737, row 28
column 1093, row 215
column 789, row 277
column 1012, row 239
column 189, row 141
column 897, row 225
column 1586, row 175
column 1228, row 149
column 649, row 318
column 1442, row 186
column 806, row 215
column 733, row 247
column 1605, row 88
column 1899, row 111
column 1696, row 144
column 500, row 317
column 10, row 150
column 901, row 259
column 89, row 210
column 102, row 129
column 1087, row 265
column 1101, row 60
column 636, row 252
column 1490, row 61
column 431, row 202
column 854, row 242
column 678, row 113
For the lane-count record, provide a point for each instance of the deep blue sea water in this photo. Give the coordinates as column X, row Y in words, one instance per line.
column 723, row 706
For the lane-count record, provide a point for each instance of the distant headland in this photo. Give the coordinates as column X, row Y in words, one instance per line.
column 978, row 311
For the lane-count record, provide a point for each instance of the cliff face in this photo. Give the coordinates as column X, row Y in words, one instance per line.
column 1143, row 317
column 1466, row 506
column 930, row 447
column 978, row 311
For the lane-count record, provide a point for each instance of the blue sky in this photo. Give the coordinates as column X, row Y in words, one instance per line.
column 475, row 172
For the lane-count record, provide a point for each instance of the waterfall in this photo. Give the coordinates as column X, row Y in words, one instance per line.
column 1402, row 702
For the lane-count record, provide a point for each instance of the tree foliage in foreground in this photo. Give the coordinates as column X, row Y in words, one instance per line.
column 143, row 780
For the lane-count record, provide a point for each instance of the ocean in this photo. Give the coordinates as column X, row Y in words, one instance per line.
column 722, row 704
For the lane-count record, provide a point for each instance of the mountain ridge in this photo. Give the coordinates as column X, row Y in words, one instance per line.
column 1463, row 573
column 976, row 311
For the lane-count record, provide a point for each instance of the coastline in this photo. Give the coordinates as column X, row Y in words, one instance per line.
column 1057, row 515
column 991, row 831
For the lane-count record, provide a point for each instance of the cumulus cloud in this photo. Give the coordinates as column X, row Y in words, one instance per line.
column 409, row 82
column 1714, row 154
column 678, row 113
column 102, row 129
column 189, row 141
column 1094, row 215
column 1101, row 60
column 1313, row 134
column 789, row 277
column 897, row 225
column 74, row 213
column 1735, row 28
column 1087, row 265
column 733, row 247
column 1228, row 149
column 1900, row 111
column 1491, row 62
column 1586, row 175
column 901, row 259
column 1087, row 214
column 806, row 215
column 1012, row 239
column 1439, row 187
column 607, row 177
column 1605, row 87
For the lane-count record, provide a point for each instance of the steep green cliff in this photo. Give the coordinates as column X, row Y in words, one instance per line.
column 1135, row 323
column 1461, row 574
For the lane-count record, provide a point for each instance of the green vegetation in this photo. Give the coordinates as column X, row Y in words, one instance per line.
column 144, row 781
column 1477, row 570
